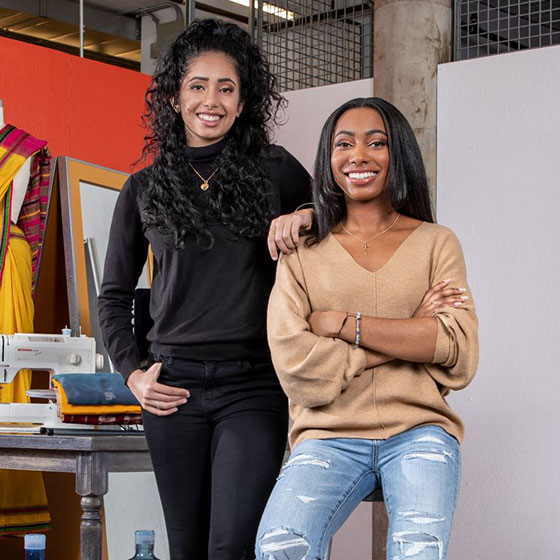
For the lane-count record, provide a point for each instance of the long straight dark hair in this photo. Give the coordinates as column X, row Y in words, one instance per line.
column 407, row 186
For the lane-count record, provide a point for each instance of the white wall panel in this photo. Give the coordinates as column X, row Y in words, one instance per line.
column 499, row 190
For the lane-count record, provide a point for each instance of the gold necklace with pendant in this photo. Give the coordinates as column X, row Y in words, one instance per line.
column 365, row 243
column 205, row 182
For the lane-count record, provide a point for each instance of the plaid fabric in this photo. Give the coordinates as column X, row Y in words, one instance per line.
column 33, row 213
column 15, row 147
column 100, row 419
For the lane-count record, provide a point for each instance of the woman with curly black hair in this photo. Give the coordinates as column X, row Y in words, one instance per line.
column 214, row 413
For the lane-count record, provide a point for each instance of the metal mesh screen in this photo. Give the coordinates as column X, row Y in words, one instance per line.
column 312, row 43
column 499, row 26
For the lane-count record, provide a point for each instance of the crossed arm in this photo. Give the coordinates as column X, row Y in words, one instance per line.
column 383, row 340
column 316, row 359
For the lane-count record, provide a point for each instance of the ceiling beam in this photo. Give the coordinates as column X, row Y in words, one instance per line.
column 69, row 12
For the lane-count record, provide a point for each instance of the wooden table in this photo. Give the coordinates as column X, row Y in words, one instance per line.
column 91, row 456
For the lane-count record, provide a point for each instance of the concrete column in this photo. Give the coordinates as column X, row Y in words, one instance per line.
column 411, row 37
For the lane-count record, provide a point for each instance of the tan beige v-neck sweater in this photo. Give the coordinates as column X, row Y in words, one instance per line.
column 331, row 394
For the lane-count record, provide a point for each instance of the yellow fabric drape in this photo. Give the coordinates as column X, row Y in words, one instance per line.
column 23, row 501
column 10, row 167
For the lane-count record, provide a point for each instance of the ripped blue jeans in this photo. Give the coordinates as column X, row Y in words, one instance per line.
column 325, row 479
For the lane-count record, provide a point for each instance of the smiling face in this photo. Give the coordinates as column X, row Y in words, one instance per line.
column 209, row 98
column 360, row 155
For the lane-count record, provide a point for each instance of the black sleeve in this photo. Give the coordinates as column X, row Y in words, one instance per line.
column 290, row 177
column 126, row 255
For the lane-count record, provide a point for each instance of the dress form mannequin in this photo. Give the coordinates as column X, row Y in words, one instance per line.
column 20, row 181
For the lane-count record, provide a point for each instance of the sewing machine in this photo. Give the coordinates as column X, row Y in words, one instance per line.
column 52, row 352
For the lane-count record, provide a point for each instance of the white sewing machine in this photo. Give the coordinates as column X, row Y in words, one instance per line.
column 52, row 352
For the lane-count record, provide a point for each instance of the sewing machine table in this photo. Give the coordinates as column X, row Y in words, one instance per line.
column 91, row 457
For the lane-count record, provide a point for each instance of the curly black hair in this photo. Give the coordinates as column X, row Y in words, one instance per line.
column 407, row 185
column 241, row 199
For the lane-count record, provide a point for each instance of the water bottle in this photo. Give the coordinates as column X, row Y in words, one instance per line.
column 144, row 545
column 35, row 546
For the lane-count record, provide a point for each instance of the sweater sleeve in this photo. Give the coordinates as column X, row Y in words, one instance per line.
column 126, row 255
column 456, row 353
column 313, row 370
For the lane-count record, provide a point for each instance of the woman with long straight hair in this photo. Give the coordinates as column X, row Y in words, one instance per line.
column 371, row 323
column 217, row 191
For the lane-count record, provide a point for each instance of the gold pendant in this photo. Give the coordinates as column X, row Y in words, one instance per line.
column 204, row 186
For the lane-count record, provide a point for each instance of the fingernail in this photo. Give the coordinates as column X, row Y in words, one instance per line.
column 458, row 303
column 462, row 289
column 183, row 401
column 448, row 280
column 464, row 297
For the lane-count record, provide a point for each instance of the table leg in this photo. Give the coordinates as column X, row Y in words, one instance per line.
column 91, row 485
column 91, row 529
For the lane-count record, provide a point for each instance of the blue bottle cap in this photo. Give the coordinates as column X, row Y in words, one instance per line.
column 35, row 542
column 144, row 537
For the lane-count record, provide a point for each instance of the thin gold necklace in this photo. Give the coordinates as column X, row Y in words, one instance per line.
column 205, row 182
column 365, row 244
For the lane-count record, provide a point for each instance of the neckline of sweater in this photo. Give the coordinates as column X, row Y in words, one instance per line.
column 202, row 153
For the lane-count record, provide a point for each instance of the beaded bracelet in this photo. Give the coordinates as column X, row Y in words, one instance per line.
column 358, row 317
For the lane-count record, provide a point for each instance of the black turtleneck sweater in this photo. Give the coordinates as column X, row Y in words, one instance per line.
column 206, row 304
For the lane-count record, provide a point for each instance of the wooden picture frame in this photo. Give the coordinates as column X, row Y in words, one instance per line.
column 71, row 173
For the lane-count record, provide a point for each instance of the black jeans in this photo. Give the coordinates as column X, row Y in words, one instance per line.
column 216, row 459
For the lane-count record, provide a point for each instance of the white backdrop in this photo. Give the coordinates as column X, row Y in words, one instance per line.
column 499, row 190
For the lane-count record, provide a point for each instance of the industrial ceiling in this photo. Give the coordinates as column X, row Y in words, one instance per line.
column 112, row 27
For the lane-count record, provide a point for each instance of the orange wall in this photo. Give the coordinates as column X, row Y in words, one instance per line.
column 84, row 109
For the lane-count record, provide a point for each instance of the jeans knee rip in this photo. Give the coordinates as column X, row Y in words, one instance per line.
column 305, row 460
column 419, row 517
column 436, row 456
column 306, row 499
column 413, row 543
column 284, row 544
